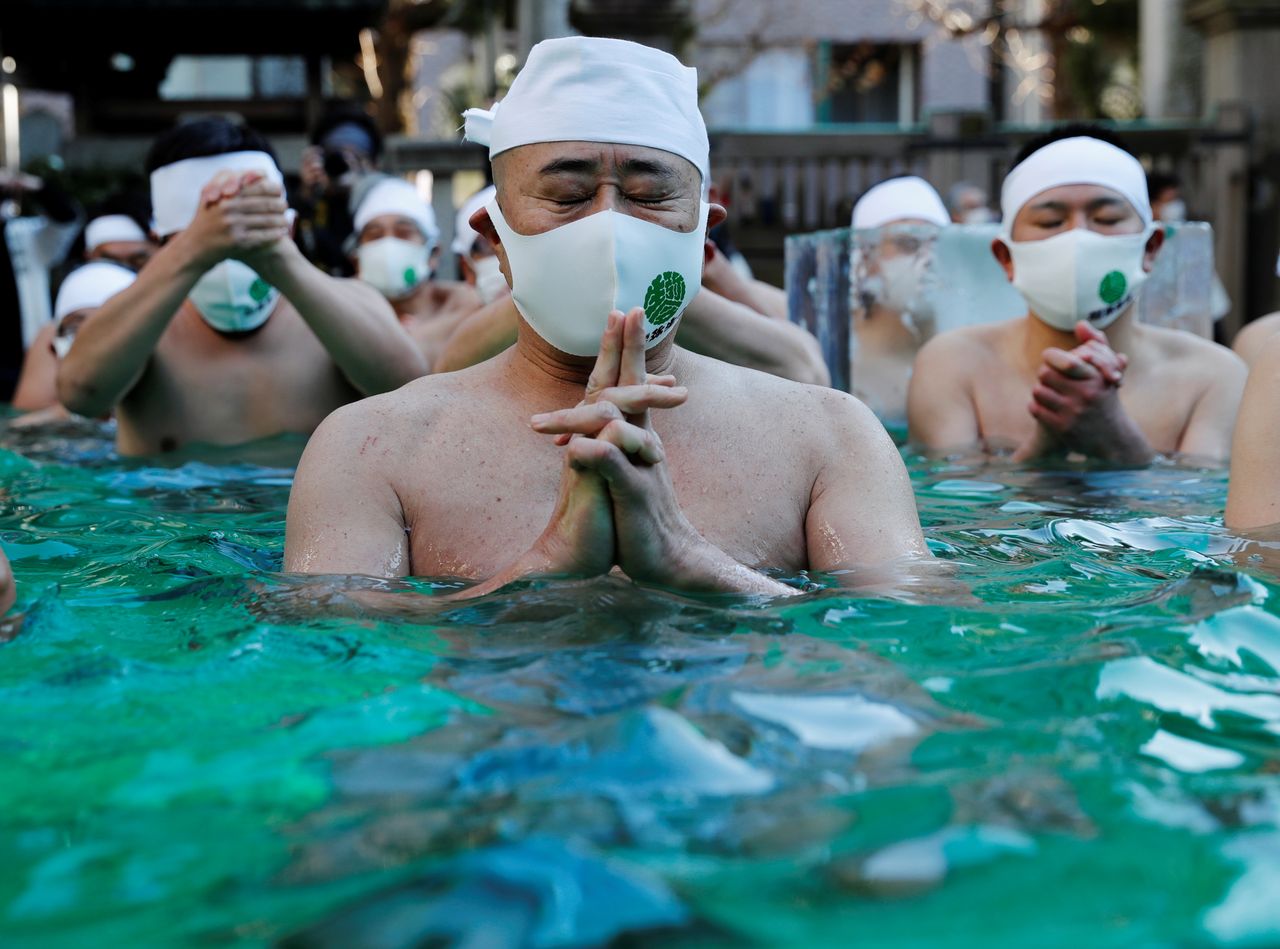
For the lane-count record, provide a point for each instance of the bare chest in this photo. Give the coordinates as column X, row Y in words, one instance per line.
column 206, row 388
column 1160, row 408
column 479, row 499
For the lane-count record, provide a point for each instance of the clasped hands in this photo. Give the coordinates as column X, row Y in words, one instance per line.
column 1075, row 399
column 616, row 503
column 241, row 215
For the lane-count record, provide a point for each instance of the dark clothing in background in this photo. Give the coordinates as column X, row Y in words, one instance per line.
column 324, row 226
column 50, row 202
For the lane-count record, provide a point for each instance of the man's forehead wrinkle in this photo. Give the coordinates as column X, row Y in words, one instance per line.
column 570, row 166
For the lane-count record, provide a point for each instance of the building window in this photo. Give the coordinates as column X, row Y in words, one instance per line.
column 235, row 77
column 867, row 82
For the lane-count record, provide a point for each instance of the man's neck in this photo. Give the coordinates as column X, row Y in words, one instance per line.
column 415, row 304
column 1040, row 336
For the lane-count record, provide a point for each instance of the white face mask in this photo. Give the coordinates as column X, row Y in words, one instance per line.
column 1175, row 212
column 978, row 216
column 566, row 281
column 393, row 266
column 232, row 298
column 489, row 280
column 1079, row 275
column 899, row 282
column 62, row 345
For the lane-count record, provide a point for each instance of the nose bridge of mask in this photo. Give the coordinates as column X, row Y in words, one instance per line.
column 564, row 271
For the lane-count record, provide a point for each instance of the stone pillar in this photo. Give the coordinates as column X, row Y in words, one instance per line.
column 1158, row 22
column 1242, row 46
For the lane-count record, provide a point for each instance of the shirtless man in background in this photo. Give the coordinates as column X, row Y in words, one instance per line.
column 396, row 250
column 229, row 334
column 1079, row 239
column 566, row 457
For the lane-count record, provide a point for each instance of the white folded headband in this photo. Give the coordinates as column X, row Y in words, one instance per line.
column 396, row 196
column 90, row 286
column 464, row 238
column 591, row 89
column 175, row 189
column 1075, row 161
column 111, row 228
column 900, row 199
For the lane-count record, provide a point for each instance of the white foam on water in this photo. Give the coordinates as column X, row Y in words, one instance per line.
column 830, row 722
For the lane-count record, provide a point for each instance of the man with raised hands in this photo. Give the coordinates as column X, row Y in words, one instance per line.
column 575, row 453
column 1078, row 241
column 229, row 334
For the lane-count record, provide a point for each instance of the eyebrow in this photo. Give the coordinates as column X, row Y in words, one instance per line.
column 632, row 166
column 1094, row 205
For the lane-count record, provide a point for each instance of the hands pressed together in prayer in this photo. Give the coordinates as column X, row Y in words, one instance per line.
column 617, row 505
column 1076, row 403
column 242, row 215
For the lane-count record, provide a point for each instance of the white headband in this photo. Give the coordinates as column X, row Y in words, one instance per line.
column 590, row 89
column 175, row 189
column 110, row 228
column 1075, row 161
column 900, row 199
column 396, row 196
column 90, row 286
column 464, row 237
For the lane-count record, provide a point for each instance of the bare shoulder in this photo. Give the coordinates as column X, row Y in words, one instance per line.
column 820, row 416
column 1253, row 337
column 381, row 425
column 968, row 346
column 1193, row 356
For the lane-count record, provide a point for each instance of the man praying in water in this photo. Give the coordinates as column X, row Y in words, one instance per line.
column 1078, row 240
column 229, row 334
column 895, row 226
column 595, row 443
column 396, row 237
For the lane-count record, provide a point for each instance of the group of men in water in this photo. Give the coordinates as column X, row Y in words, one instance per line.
column 589, row 398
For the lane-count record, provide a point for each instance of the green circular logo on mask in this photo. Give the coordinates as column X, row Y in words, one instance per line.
column 410, row 276
column 1113, row 287
column 259, row 290
column 663, row 298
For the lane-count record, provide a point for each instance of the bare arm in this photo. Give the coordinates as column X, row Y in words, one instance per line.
column 1253, row 337
column 1208, row 433
column 38, row 384
column 480, row 336
column 344, row 515
column 1253, row 498
column 352, row 320
column 862, row 511
column 112, row 350
column 236, row 214
column 722, row 329
column 7, row 592
column 722, row 278
column 941, row 416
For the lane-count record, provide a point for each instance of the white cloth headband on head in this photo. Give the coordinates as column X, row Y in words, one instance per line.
column 175, row 189
column 900, row 199
column 464, row 237
column 396, row 196
column 90, row 286
column 590, row 89
column 1075, row 161
column 110, row 228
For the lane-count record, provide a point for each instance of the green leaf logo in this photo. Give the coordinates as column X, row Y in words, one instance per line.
column 1113, row 287
column 259, row 290
column 663, row 298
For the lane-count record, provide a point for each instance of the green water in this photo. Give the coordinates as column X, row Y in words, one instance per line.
column 1084, row 751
